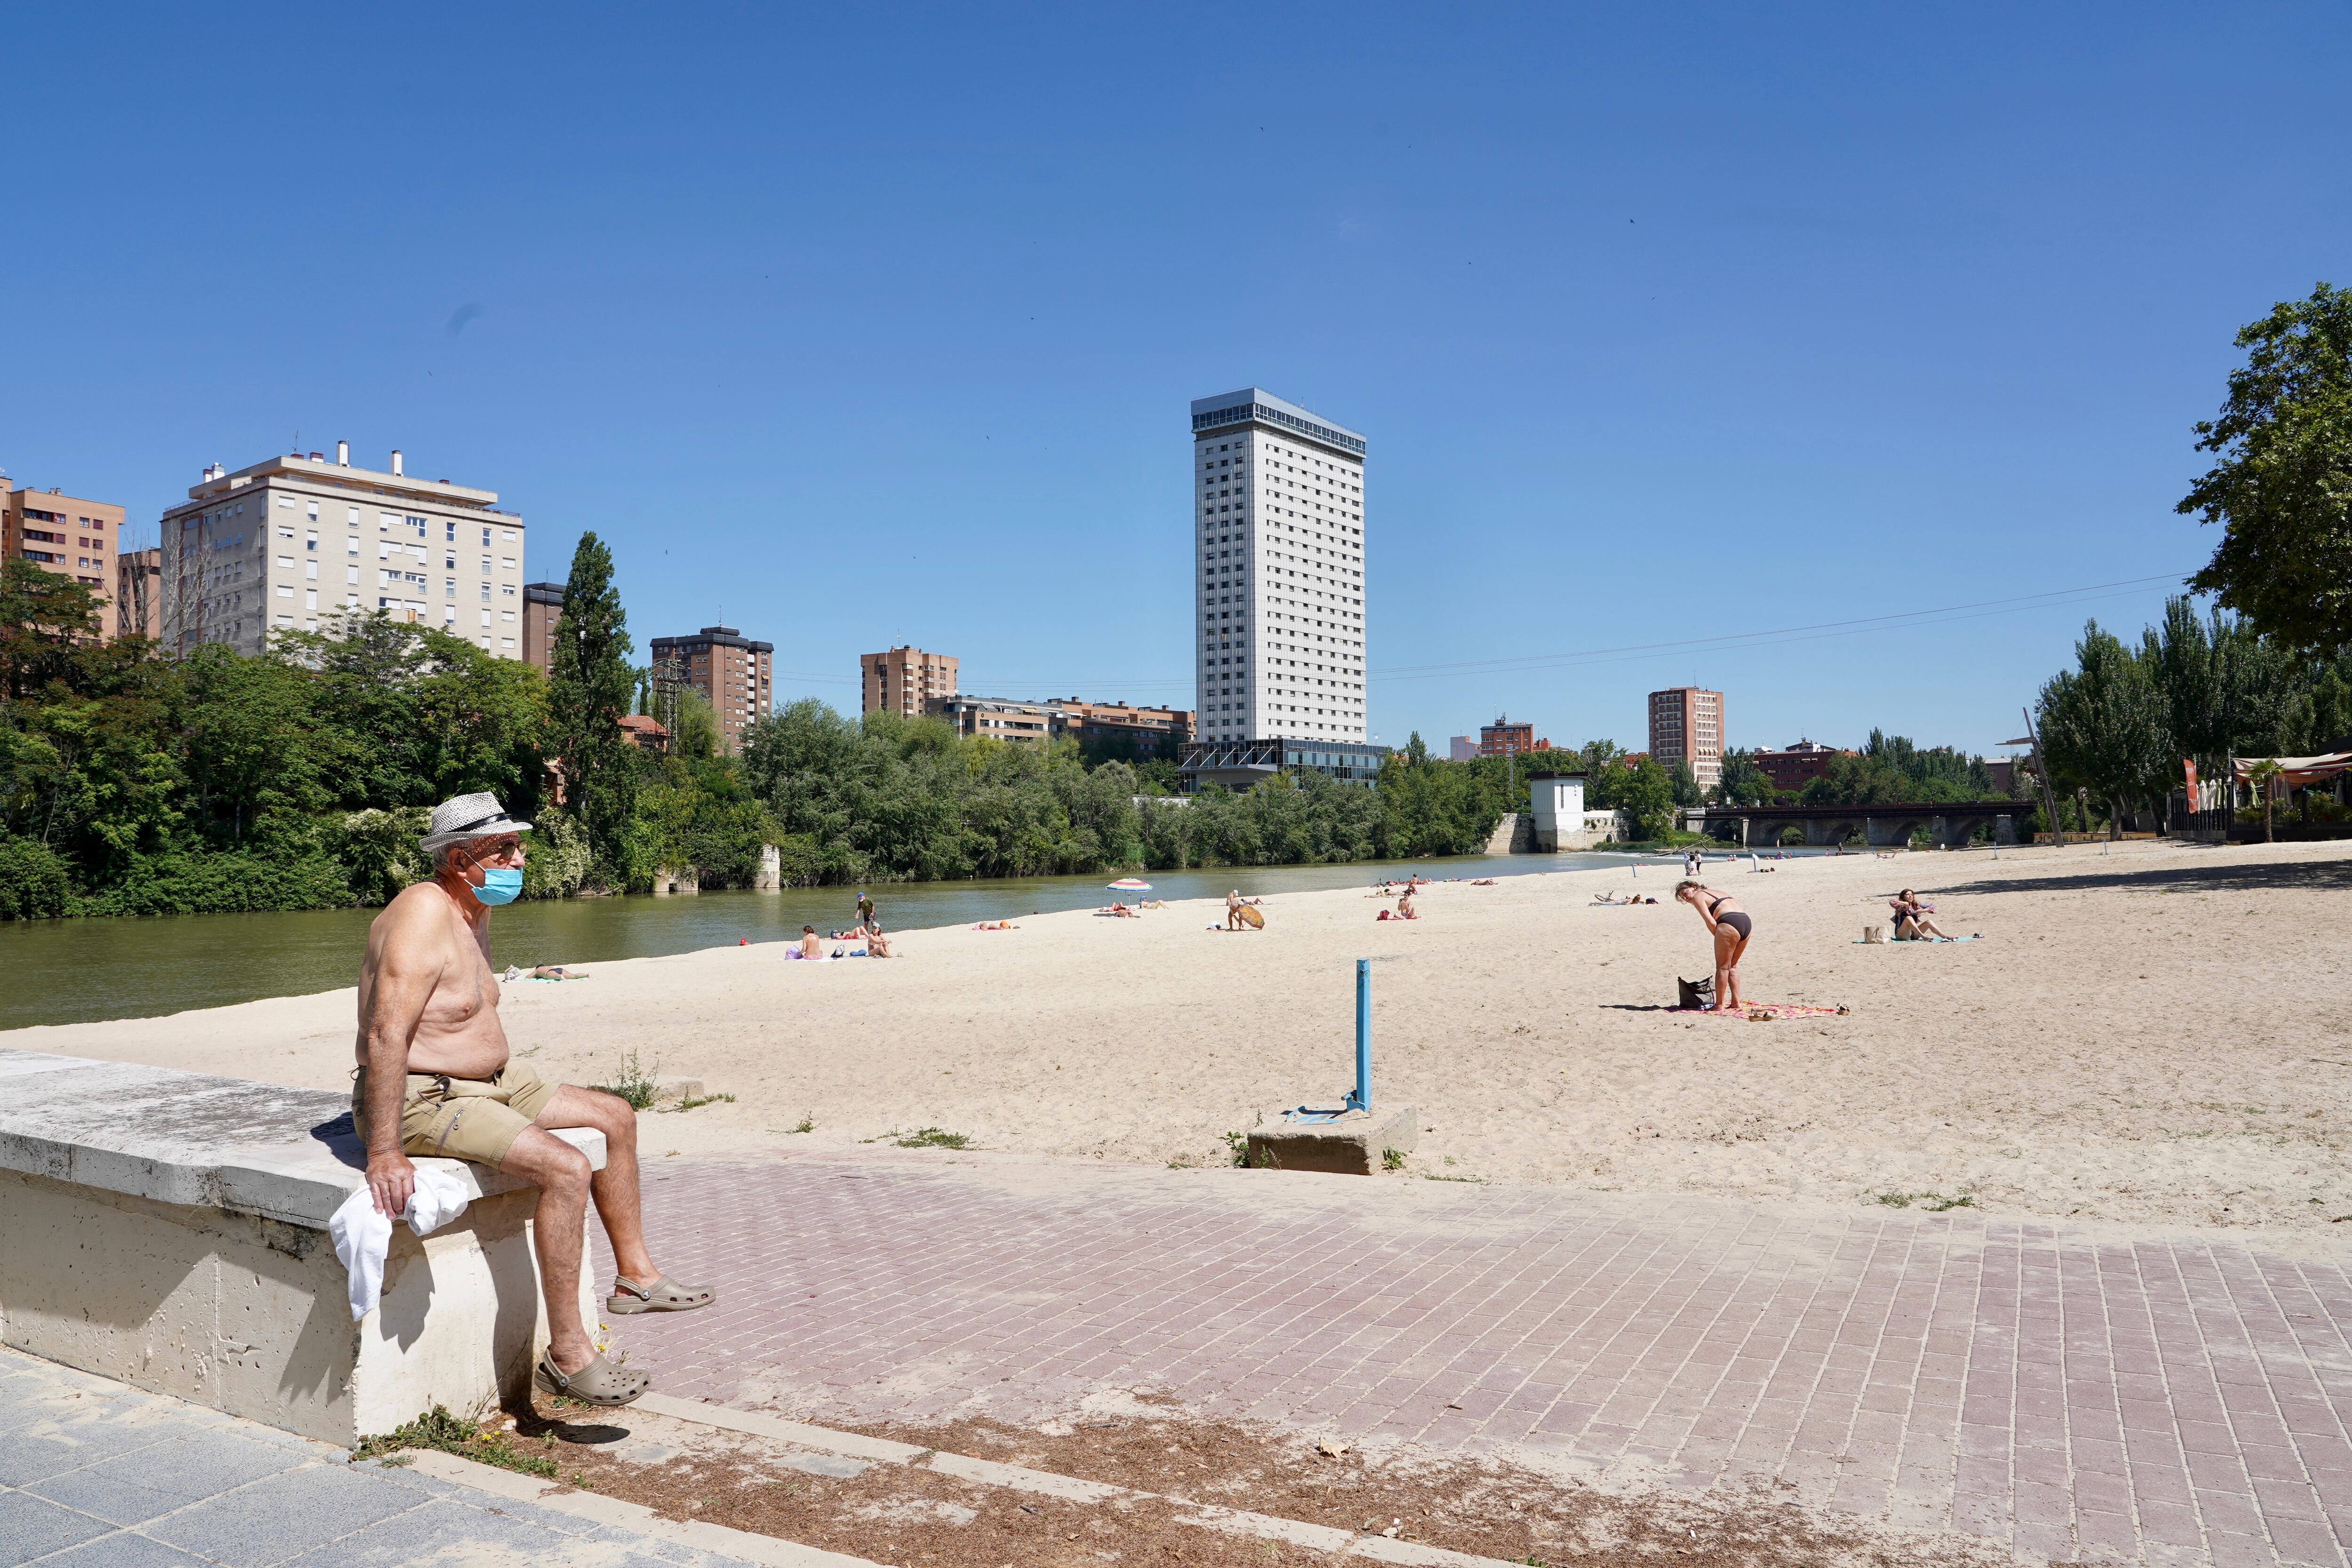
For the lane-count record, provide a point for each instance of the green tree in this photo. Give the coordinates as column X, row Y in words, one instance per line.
column 44, row 616
column 1685, row 784
column 588, row 692
column 2282, row 486
column 2102, row 725
column 1644, row 790
column 1742, row 783
column 693, row 727
column 253, row 746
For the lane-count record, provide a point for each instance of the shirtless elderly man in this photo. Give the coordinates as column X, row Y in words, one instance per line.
column 436, row 1077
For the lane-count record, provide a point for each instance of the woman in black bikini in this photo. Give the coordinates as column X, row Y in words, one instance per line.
column 1731, row 928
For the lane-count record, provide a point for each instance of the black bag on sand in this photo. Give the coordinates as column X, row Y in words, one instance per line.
column 1695, row 994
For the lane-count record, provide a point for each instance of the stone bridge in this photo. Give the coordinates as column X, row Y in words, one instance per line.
column 1884, row 825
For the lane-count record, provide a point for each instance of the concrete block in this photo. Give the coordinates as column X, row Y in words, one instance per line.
column 1350, row 1146
column 169, row 1230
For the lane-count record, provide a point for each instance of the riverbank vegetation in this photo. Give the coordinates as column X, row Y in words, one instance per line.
column 133, row 781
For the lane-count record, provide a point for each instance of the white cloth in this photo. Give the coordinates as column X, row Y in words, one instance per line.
column 363, row 1236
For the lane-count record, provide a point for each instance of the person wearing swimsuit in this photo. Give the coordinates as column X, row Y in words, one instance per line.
column 1913, row 921
column 1731, row 928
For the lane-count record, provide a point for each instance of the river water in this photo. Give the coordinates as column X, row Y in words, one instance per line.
column 70, row 971
column 88, row 970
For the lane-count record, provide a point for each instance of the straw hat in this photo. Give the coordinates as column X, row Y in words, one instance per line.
column 468, row 816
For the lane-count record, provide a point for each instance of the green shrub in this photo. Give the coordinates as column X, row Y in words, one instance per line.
column 33, row 883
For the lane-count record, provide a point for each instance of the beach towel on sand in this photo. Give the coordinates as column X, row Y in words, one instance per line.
column 1920, row 941
column 1760, row 1011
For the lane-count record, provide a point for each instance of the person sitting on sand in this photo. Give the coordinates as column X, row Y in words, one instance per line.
column 1911, row 919
column 1731, row 928
column 875, row 946
column 812, row 945
column 1405, row 907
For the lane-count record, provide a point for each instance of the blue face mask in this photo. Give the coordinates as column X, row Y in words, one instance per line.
column 500, row 886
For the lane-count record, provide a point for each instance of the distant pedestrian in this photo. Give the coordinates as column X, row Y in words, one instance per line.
column 865, row 909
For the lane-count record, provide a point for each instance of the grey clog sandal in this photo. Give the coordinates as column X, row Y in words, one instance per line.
column 600, row 1382
column 664, row 1295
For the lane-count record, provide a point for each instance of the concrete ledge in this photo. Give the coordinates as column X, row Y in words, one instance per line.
column 1351, row 1146
column 169, row 1229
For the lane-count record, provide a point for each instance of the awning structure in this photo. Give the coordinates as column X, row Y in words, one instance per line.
column 2294, row 772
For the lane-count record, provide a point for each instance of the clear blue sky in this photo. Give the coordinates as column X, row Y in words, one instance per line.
column 867, row 325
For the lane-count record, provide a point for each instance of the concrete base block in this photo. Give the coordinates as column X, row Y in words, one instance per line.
column 246, row 1315
column 1351, row 1146
column 170, row 1231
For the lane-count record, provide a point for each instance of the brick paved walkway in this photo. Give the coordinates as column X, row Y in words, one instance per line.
column 2072, row 1391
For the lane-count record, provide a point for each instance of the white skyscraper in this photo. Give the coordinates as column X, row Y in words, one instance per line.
column 1279, row 578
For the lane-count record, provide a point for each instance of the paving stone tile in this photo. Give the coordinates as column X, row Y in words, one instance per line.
column 187, row 1467
column 33, row 1527
column 282, row 1516
column 39, row 1447
column 121, row 1550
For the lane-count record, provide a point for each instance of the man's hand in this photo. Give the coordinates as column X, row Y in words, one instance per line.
column 391, row 1179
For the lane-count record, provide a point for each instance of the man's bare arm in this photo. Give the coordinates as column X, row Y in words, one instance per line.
column 408, row 966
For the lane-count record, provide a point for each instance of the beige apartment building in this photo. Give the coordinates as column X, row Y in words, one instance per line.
column 996, row 718
column 1687, row 726
column 65, row 534
column 736, row 676
column 904, row 680
column 286, row 542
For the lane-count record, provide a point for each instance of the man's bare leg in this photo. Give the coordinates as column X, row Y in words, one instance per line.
column 561, row 1174
column 614, row 1187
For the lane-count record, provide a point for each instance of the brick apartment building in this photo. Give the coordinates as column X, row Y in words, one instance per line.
column 904, row 680
column 1793, row 767
column 735, row 675
column 1121, row 730
column 1503, row 739
column 68, row 535
column 1687, row 726
column 139, row 593
column 543, row 606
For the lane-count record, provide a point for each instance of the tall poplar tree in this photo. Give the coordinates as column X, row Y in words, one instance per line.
column 2283, row 487
column 589, row 688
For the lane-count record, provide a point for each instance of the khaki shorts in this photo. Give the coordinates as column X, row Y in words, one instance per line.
column 461, row 1118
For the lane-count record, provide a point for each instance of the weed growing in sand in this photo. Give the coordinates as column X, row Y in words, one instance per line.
column 437, row 1428
column 634, row 1084
column 930, row 1138
column 1934, row 1203
column 1237, row 1144
column 1433, row 1176
column 692, row 1103
column 1392, row 1158
column 808, row 1123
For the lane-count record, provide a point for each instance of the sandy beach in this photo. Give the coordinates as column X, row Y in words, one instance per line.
column 2157, row 1034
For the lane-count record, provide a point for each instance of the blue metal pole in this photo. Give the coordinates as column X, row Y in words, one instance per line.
column 1362, row 1098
